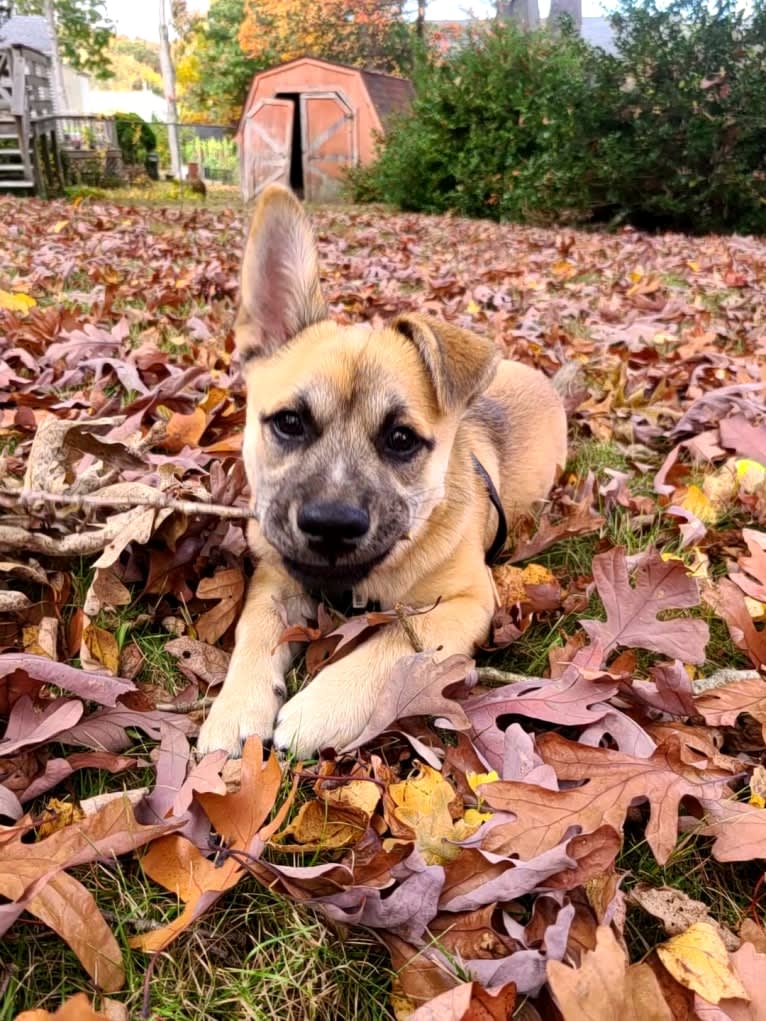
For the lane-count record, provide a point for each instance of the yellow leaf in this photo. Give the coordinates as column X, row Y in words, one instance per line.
column 102, row 645
column 636, row 274
column 475, row 780
column 755, row 608
column 426, row 804
column 696, row 562
column 699, row 961
column 698, row 503
column 746, row 464
column 751, row 475
column 693, row 265
column 758, row 787
column 214, row 397
column 59, row 225
column 16, row 302
column 57, row 815
column 473, row 818
column 564, row 268
column 322, row 827
column 363, row 795
column 511, row 581
column 473, row 308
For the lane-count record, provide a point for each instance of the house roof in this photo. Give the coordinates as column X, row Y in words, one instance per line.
column 27, row 30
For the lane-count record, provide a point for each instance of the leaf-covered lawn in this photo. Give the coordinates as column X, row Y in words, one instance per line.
column 582, row 810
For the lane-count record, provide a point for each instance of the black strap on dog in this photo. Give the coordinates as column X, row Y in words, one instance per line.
column 501, row 535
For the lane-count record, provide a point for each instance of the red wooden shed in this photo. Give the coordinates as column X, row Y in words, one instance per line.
column 305, row 121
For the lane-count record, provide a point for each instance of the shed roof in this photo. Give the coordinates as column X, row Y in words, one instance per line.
column 388, row 92
column 27, row 30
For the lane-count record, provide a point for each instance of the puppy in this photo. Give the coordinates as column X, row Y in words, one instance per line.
column 384, row 462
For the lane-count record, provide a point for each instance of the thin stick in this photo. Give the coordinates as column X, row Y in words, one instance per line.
column 185, row 707
column 495, row 676
column 409, row 630
column 160, row 501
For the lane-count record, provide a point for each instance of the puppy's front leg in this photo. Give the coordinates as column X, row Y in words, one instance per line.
column 334, row 709
column 254, row 688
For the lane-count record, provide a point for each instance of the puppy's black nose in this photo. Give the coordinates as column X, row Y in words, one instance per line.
column 333, row 522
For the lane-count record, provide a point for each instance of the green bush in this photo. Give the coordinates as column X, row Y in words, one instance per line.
column 500, row 128
column 537, row 127
column 135, row 138
column 687, row 143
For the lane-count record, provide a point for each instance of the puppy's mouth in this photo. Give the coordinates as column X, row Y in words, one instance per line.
column 331, row 573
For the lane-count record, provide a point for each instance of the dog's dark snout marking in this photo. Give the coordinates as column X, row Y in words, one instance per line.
column 333, row 522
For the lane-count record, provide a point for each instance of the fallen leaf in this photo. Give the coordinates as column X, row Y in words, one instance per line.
column 422, row 806
column 16, row 302
column 698, row 960
column 677, row 911
column 604, row 988
column 228, row 587
column 612, row 781
column 632, row 609
column 76, row 1008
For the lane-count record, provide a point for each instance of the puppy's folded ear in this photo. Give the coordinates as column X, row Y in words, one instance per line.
column 460, row 363
column 280, row 293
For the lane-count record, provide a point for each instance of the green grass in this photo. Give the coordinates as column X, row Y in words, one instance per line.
column 257, row 956
column 726, row 888
column 161, row 194
column 252, row 956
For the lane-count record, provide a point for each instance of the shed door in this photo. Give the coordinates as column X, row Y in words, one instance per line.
column 266, row 145
column 329, row 143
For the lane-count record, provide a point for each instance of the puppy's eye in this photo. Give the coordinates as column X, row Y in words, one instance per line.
column 402, row 441
column 287, row 425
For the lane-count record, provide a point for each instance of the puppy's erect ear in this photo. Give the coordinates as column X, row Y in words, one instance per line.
column 280, row 293
column 459, row 363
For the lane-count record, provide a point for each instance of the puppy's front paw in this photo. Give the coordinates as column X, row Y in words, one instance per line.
column 329, row 713
column 231, row 721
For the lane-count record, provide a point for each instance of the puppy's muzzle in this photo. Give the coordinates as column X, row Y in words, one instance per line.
column 333, row 526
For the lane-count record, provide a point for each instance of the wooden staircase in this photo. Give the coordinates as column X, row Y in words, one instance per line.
column 15, row 162
column 24, row 97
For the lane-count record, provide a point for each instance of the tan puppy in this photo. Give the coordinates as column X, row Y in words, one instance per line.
column 369, row 454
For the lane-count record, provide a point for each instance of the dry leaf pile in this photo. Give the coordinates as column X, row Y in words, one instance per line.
column 476, row 825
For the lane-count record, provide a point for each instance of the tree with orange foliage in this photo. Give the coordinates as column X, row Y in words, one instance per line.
column 364, row 33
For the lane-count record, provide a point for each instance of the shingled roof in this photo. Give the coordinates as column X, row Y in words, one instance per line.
column 27, row 30
column 389, row 94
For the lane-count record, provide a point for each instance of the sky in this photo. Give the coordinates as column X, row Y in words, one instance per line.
column 139, row 18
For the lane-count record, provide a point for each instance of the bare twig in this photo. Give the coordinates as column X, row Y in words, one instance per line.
column 162, row 502
column 409, row 630
column 494, row 676
column 490, row 675
column 185, row 707
column 146, row 998
column 723, row 677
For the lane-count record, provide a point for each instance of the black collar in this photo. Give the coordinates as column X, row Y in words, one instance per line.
column 501, row 535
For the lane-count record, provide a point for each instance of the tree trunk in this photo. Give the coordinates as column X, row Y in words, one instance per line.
column 169, row 86
column 58, row 88
column 420, row 24
column 525, row 12
column 572, row 8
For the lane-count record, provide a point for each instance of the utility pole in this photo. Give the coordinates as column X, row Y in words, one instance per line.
column 169, row 85
column 60, row 100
